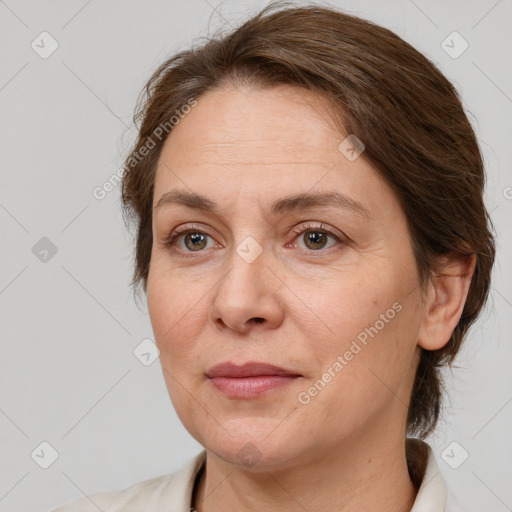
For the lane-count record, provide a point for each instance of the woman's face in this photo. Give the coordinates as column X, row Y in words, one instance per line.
column 325, row 289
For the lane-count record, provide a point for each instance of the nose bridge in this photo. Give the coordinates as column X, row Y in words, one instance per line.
column 247, row 290
column 243, row 284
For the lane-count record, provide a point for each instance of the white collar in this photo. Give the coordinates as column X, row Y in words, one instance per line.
column 433, row 492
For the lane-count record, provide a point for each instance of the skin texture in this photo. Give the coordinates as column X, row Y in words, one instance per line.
column 294, row 306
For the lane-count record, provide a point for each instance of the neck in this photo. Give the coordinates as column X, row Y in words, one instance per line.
column 362, row 474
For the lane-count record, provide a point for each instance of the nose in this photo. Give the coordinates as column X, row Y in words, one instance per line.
column 248, row 296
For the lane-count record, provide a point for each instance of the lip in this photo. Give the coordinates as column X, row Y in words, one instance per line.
column 250, row 369
column 250, row 379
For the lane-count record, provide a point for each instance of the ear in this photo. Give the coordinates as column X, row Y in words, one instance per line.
column 445, row 299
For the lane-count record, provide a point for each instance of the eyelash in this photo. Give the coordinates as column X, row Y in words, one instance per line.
column 169, row 241
column 322, row 228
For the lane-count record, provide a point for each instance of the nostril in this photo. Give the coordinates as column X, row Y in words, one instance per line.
column 258, row 320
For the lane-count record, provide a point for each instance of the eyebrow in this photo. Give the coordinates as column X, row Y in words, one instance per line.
column 281, row 206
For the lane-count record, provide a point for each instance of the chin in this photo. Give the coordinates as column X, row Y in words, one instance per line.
column 254, row 443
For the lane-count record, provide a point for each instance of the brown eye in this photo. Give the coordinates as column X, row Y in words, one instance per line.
column 195, row 241
column 315, row 239
column 188, row 240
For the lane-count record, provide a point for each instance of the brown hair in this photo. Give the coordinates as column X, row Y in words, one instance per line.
column 382, row 90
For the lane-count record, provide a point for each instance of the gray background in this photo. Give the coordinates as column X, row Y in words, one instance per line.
column 68, row 375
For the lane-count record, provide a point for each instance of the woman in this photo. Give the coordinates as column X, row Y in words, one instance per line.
column 313, row 243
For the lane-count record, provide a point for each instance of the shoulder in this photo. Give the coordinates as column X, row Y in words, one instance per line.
column 171, row 489
column 135, row 496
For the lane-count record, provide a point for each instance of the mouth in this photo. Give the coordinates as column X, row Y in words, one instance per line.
column 249, row 380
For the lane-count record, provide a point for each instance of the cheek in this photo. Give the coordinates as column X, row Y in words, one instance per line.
column 175, row 311
column 346, row 306
column 372, row 324
column 375, row 362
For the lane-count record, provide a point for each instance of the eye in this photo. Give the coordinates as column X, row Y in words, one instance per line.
column 193, row 239
column 316, row 238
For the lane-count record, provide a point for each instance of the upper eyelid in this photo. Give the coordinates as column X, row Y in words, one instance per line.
column 184, row 229
column 320, row 227
column 302, row 226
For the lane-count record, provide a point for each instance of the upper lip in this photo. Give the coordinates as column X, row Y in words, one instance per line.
column 250, row 369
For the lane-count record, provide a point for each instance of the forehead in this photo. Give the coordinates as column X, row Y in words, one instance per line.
column 245, row 125
column 264, row 143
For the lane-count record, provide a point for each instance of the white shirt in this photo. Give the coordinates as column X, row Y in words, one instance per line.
column 173, row 493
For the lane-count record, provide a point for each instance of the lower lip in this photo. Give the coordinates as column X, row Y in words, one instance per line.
column 248, row 387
